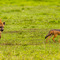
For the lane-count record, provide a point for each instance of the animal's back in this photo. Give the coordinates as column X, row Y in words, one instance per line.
column 55, row 30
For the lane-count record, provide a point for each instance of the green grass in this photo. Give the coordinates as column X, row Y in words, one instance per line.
column 30, row 52
column 27, row 24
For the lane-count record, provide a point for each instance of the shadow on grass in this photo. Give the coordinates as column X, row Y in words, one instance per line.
column 41, row 43
column 27, row 30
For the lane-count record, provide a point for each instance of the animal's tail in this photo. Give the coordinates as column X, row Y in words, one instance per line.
column 47, row 35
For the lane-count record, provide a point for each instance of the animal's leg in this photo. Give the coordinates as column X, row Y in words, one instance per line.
column 48, row 38
column 0, row 34
column 59, row 41
column 54, row 37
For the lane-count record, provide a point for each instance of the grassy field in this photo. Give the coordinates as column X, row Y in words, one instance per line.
column 27, row 24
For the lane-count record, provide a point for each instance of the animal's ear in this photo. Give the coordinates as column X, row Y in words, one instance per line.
column 4, row 23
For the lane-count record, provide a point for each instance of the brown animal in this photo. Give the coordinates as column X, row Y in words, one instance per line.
column 54, row 32
column 1, row 26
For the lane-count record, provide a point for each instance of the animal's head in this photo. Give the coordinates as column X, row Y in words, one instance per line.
column 2, row 25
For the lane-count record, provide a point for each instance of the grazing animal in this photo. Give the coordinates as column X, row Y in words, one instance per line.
column 1, row 26
column 54, row 32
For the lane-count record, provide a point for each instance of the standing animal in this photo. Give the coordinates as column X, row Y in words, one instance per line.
column 1, row 26
column 54, row 32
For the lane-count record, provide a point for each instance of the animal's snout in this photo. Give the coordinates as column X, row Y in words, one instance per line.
column 2, row 29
